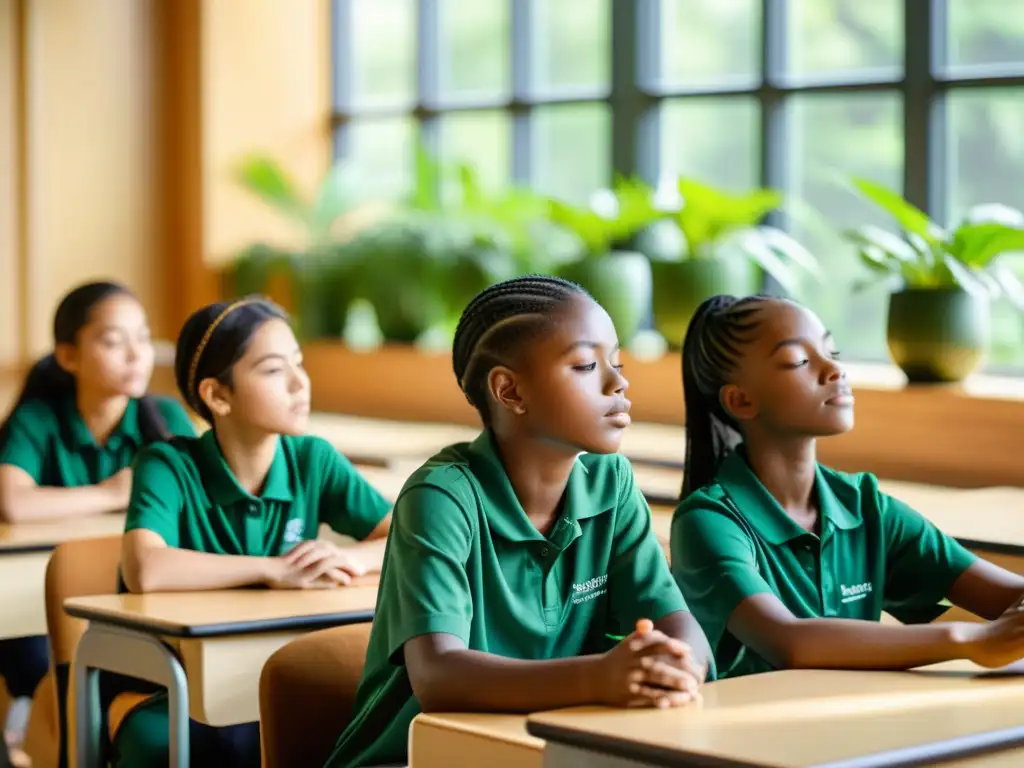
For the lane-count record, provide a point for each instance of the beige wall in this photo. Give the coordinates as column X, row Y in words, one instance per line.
column 120, row 122
column 266, row 88
column 90, row 185
column 10, row 162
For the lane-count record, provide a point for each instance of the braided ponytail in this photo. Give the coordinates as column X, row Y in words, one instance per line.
column 711, row 349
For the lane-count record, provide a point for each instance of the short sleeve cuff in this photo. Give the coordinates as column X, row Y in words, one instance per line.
column 28, row 465
column 657, row 608
column 960, row 559
column 362, row 525
column 428, row 624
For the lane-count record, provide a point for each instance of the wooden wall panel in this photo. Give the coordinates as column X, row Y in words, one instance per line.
column 90, row 196
column 11, row 96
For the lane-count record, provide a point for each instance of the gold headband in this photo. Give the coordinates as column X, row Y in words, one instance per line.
column 205, row 340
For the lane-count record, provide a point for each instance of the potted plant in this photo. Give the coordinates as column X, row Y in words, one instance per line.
column 941, row 282
column 724, row 248
column 605, row 262
column 310, row 280
column 422, row 265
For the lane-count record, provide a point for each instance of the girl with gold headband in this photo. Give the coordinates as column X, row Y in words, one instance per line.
column 242, row 504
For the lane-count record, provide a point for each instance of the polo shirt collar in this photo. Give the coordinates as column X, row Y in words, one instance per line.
column 763, row 512
column 221, row 484
column 505, row 515
column 79, row 436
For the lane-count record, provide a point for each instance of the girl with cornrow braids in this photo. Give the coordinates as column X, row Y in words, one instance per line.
column 788, row 563
column 514, row 561
column 241, row 505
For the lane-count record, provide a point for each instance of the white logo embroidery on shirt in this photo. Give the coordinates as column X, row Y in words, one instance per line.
column 856, row 592
column 293, row 530
column 590, row 589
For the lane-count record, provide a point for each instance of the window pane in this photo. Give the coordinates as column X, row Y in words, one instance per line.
column 481, row 140
column 573, row 44
column 856, row 38
column 986, row 165
column 572, row 154
column 710, row 43
column 383, row 52
column 833, row 138
column 716, row 140
column 474, row 47
column 380, row 153
column 986, row 33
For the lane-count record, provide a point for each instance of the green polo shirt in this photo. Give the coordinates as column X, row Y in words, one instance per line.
column 184, row 491
column 464, row 559
column 50, row 441
column 732, row 540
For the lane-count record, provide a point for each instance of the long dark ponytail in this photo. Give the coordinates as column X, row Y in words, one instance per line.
column 47, row 381
column 711, row 349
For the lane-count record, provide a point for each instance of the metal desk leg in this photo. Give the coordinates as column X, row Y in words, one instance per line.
column 113, row 649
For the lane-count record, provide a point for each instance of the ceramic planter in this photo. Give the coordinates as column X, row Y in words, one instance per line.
column 938, row 336
column 621, row 283
column 681, row 286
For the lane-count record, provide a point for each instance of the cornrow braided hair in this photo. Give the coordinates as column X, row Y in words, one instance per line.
column 712, row 347
column 495, row 322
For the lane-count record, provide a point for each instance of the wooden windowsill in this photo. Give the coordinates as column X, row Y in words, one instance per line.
column 966, row 436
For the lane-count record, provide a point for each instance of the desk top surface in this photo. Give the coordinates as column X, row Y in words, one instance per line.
column 991, row 518
column 230, row 612
column 803, row 718
column 39, row 537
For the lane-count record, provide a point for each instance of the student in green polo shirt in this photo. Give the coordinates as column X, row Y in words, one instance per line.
column 515, row 559
column 787, row 563
column 67, row 445
column 242, row 505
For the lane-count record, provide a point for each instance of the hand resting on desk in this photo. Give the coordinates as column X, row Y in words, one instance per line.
column 315, row 564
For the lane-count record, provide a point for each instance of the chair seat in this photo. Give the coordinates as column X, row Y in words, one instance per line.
column 122, row 704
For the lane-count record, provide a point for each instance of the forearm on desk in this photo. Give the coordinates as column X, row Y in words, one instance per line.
column 855, row 644
column 683, row 626
column 472, row 681
column 169, row 569
column 370, row 553
column 37, row 504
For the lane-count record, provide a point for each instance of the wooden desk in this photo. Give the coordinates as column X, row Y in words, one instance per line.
column 389, row 481
column 380, row 441
column 655, row 445
column 497, row 741
column 24, row 552
column 375, row 440
column 804, row 718
column 206, row 648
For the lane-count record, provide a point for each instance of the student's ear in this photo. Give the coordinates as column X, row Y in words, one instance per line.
column 736, row 402
column 67, row 357
column 216, row 396
column 501, row 383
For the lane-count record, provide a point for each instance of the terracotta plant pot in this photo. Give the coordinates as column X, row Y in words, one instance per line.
column 938, row 336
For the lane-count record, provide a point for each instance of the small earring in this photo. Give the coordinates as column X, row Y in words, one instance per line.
column 521, row 409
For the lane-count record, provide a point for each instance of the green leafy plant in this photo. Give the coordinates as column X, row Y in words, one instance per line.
column 928, row 256
column 627, row 209
column 717, row 224
column 268, row 181
column 311, row 268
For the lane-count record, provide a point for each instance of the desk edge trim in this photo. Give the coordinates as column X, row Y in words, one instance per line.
column 917, row 754
column 225, row 629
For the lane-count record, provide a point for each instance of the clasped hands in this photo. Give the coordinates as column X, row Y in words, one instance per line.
column 315, row 564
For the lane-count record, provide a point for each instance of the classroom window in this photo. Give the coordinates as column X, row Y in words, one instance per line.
column 926, row 96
